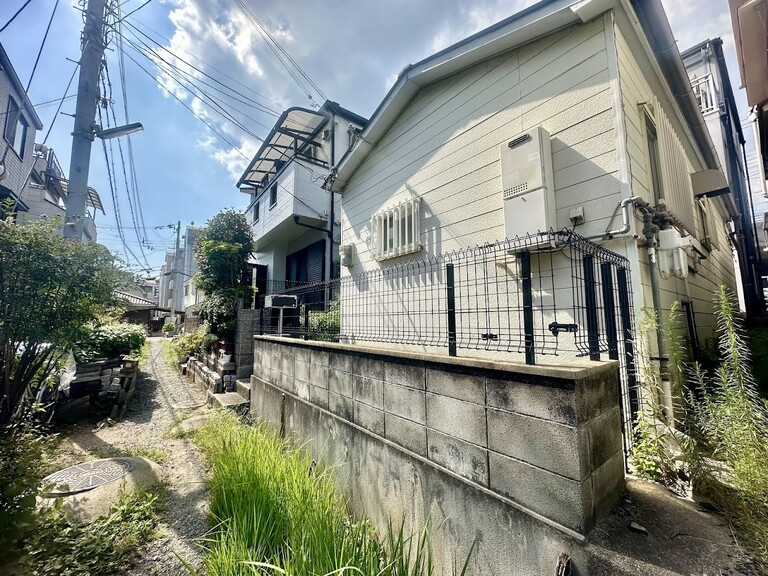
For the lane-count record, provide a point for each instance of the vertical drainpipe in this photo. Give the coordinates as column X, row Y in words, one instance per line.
column 331, row 213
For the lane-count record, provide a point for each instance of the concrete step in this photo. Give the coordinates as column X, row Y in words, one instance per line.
column 230, row 400
column 243, row 387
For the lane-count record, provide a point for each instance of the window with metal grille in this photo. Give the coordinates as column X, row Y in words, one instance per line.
column 256, row 211
column 273, row 196
column 396, row 230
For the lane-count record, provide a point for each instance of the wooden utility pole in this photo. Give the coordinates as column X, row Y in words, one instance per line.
column 85, row 116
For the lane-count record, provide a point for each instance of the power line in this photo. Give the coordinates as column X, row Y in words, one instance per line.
column 248, row 100
column 19, row 11
column 207, row 65
column 180, row 101
column 41, row 104
column 42, row 44
column 183, row 83
column 61, row 102
column 277, row 50
column 133, row 11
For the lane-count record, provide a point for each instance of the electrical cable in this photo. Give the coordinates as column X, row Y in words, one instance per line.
column 61, row 102
column 206, row 64
column 180, row 101
column 42, row 45
column 135, row 10
column 19, row 11
column 191, row 82
column 249, row 101
column 124, row 92
column 41, row 104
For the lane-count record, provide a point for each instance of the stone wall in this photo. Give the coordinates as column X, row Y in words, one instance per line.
column 247, row 326
column 537, row 448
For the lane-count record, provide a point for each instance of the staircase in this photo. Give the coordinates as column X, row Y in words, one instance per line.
column 223, row 390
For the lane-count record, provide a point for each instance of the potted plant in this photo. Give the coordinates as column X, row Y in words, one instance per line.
column 169, row 330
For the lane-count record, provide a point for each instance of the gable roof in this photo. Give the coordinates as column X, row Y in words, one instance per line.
column 7, row 67
column 538, row 20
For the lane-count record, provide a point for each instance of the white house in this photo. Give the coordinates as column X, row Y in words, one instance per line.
column 587, row 104
column 290, row 210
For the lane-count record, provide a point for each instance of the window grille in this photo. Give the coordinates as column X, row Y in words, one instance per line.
column 396, row 230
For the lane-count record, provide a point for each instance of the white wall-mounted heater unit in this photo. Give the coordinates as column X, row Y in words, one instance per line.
column 528, row 187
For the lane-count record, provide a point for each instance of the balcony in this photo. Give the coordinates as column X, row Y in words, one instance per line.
column 705, row 92
column 296, row 191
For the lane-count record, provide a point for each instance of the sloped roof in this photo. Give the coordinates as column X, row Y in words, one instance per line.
column 134, row 302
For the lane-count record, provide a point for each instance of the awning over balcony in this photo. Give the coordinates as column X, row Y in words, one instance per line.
column 93, row 199
column 293, row 134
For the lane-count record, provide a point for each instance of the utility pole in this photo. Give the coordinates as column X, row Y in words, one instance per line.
column 176, row 287
column 85, row 115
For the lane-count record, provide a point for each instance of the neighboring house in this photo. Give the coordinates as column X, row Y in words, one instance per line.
column 706, row 68
column 749, row 18
column 597, row 96
column 290, row 209
column 19, row 123
column 166, row 294
column 45, row 193
column 191, row 296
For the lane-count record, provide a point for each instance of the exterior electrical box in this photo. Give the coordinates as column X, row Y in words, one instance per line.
column 528, row 186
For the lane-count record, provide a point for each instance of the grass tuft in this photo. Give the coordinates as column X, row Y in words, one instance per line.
column 275, row 512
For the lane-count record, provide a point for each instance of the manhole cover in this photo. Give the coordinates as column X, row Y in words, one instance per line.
column 86, row 476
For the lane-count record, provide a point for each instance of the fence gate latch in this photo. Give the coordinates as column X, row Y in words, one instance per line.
column 489, row 336
column 556, row 328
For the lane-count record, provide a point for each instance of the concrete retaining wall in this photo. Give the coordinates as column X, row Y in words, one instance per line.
column 521, row 459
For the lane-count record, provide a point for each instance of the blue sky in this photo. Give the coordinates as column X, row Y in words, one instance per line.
column 353, row 50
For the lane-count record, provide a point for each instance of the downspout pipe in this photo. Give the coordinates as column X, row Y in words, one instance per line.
column 626, row 217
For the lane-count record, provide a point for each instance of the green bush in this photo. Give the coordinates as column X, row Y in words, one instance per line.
column 189, row 344
column 325, row 325
column 168, row 328
column 111, row 341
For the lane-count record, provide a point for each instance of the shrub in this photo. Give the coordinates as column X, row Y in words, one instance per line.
column 111, row 341
column 325, row 325
column 168, row 328
column 189, row 344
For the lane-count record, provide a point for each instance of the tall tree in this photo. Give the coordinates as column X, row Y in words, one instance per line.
column 222, row 253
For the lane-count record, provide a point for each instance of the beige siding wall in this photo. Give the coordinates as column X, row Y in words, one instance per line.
column 638, row 85
column 444, row 147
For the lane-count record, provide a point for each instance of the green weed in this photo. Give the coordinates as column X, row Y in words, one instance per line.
column 276, row 512
column 103, row 547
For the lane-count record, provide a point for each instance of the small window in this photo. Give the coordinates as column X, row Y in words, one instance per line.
column 15, row 127
column 654, row 164
column 256, row 211
column 708, row 225
column 273, row 196
column 396, row 230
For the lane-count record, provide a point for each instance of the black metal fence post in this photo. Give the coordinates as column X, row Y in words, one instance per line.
column 526, row 286
column 609, row 310
column 590, row 303
column 451, row 295
column 306, row 322
column 261, row 321
column 628, row 337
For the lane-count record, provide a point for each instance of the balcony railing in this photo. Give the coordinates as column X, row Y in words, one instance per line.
column 705, row 92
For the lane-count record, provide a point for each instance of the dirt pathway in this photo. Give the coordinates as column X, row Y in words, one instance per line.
column 160, row 397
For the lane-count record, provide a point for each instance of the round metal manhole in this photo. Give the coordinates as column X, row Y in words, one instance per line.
column 86, row 476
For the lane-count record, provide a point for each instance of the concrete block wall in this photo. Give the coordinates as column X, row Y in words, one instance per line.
column 546, row 440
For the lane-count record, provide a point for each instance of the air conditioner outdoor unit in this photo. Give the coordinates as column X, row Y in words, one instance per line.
column 528, row 187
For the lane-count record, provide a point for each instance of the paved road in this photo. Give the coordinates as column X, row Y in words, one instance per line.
column 146, row 423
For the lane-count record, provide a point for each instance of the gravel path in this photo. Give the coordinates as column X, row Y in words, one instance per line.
column 157, row 403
